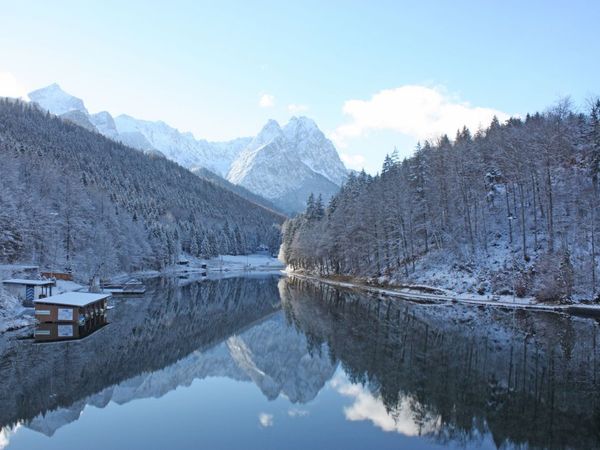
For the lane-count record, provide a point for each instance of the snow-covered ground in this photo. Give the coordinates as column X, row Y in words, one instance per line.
column 244, row 263
column 12, row 313
column 421, row 293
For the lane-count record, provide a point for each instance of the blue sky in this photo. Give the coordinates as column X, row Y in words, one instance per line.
column 372, row 74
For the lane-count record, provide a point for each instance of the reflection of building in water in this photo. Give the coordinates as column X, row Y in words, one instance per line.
column 63, row 331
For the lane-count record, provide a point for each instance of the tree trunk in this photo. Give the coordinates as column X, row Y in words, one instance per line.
column 550, row 209
column 523, row 224
column 509, row 217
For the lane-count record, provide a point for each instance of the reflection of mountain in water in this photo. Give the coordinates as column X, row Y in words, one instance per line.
column 276, row 357
column 144, row 335
column 452, row 373
column 524, row 378
column 268, row 352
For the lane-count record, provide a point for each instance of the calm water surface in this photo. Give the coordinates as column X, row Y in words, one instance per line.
column 268, row 363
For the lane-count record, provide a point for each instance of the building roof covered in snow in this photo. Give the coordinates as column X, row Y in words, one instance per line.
column 73, row 299
column 26, row 282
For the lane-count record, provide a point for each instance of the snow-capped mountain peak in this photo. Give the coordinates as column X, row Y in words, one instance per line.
column 301, row 124
column 52, row 98
column 285, row 164
column 269, row 132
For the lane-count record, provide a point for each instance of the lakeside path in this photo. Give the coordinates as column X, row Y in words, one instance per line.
column 415, row 294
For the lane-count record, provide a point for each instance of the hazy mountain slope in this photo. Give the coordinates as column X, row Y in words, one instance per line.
column 79, row 118
column 240, row 190
column 294, row 199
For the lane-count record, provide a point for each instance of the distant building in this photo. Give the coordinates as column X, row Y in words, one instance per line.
column 262, row 249
column 29, row 290
column 72, row 307
column 58, row 275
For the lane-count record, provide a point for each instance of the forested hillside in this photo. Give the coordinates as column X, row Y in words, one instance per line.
column 71, row 198
column 512, row 209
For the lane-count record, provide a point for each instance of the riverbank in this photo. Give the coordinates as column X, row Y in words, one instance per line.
column 427, row 294
column 224, row 264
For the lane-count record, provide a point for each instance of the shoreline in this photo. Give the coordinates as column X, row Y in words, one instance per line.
column 411, row 293
column 223, row 265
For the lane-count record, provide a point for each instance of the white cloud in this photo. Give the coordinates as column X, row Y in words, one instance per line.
column 10, row 86
column 265, row 420
column 417, row 111
column 371, row 408
column 366, row 406
column 356, row 162
column 5, row 435
column 4, row 438
column 295, row 108
column 266, row 101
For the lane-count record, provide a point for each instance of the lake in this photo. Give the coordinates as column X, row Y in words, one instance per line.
column 264, row 362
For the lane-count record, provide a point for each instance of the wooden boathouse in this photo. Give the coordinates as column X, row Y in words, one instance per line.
column 66, row 331
column 72, row 307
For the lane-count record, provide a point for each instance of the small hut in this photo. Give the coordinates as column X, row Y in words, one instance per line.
column 29, row 290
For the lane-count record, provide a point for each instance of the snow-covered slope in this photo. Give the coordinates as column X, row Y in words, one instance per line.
column 79, row 118
column 281, row 162
column 183, row 148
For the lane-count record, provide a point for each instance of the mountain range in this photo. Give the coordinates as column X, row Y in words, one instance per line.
column 281, row 164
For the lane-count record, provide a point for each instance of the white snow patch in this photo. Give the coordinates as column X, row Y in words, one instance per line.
column 12, row 312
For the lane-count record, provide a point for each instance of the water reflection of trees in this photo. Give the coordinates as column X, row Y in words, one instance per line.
column 144, row 335
column 525, row 378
